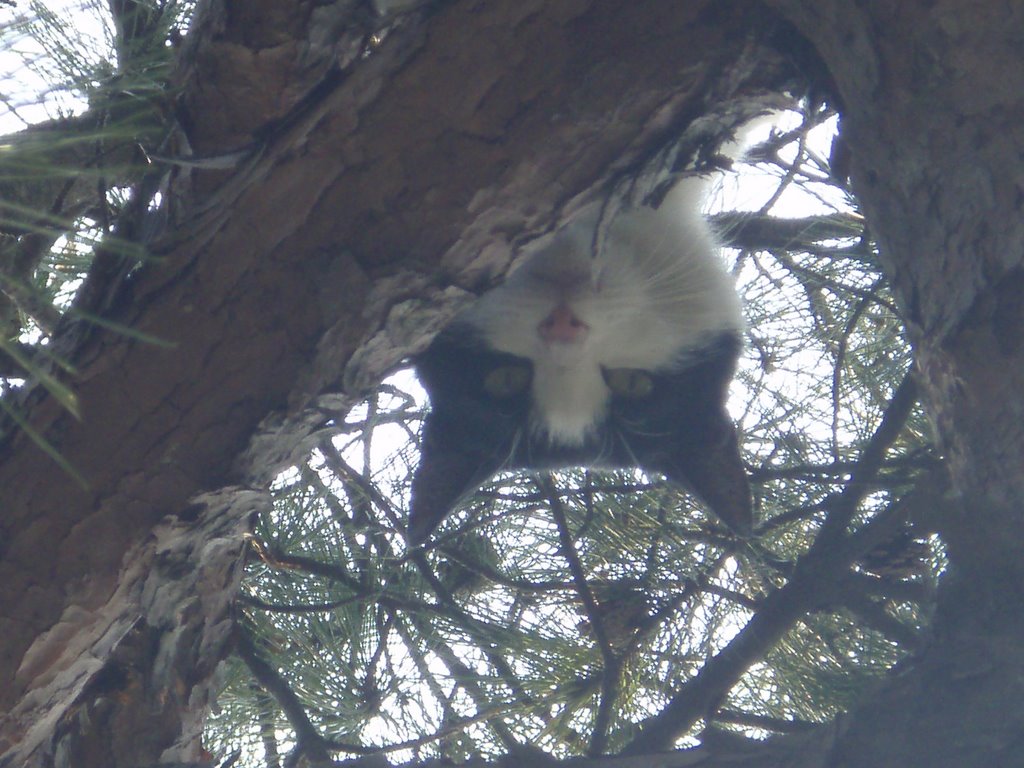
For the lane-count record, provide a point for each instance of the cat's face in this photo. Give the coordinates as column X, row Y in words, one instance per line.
column 576, row 315
column 619, row 360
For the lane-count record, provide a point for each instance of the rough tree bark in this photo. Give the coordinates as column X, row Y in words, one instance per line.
column 384, row 166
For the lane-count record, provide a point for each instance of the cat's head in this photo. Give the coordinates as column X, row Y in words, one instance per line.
column 618, row 356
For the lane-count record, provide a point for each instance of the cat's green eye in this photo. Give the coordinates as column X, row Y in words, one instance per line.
column 507, row 381
column 629, row 383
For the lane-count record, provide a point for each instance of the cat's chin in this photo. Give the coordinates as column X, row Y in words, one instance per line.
column 569, row 401
column 562, row 357
column 564, row 433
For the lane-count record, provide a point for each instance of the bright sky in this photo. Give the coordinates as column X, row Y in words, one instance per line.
column 28, row 66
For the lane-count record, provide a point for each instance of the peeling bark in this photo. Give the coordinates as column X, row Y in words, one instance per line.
column 128, row 682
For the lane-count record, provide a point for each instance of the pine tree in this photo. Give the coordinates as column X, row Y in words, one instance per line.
column 224, row 226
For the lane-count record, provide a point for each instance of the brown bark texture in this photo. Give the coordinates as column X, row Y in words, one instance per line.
column 380, row 169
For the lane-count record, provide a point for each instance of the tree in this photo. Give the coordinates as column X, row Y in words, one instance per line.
column 347, row 170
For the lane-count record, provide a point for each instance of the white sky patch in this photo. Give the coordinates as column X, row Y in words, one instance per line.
column 35, row 73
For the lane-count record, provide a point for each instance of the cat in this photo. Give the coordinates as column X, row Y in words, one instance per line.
column 619, row 358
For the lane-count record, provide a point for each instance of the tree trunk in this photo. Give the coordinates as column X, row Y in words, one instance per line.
column 384, row 166
column 933, row 97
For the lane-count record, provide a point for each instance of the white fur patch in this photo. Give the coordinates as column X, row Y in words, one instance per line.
column 568, row 401
column 655, row 293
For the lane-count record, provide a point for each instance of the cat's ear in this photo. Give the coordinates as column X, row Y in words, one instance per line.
column 707, row 461
column 444, row 476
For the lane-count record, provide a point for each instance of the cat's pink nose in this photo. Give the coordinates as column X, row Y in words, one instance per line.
column 562, row 326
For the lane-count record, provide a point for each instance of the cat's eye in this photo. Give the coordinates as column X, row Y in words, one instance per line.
column 629, row 383
column 507, row 380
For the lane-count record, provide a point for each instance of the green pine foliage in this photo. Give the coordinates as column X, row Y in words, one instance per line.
column 85, row 104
